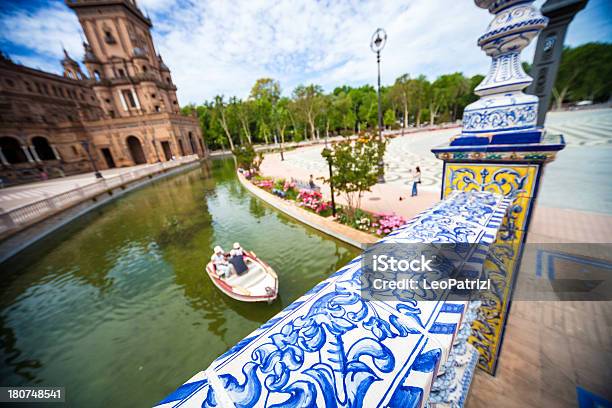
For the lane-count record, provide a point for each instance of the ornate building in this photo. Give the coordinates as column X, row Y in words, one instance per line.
column 123, row 112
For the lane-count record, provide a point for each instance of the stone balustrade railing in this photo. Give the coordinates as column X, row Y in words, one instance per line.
column 21, row 217
column 335, row 347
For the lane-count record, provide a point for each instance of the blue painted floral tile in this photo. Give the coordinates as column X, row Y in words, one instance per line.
column 331, row 347
column 190, row 394
column 338, row 346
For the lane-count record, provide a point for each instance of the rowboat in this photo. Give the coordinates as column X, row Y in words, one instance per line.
column 258, row 284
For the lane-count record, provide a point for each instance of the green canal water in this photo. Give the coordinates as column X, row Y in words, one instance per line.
column 116, row 307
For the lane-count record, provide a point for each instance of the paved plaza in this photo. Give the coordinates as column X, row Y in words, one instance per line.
column 572, row 206
column 581, row 169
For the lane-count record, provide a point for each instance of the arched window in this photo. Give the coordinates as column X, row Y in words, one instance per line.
column 108, row 36
column 97, row 75
column 12, row 151
column 192, row 143
column 43, row 149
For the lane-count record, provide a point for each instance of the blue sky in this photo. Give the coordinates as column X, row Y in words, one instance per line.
column 222, row 47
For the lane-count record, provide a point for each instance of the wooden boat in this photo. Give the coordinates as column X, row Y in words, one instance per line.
column 258, row 284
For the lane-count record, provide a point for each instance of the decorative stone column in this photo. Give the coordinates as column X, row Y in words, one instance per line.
column 34, row 154
column 55, row 152
column 26, row 151
column 500, row 149
column 3, row 159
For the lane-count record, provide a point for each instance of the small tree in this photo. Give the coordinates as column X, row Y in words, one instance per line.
column 247, row 157
column 389, row 118
column 355, row 167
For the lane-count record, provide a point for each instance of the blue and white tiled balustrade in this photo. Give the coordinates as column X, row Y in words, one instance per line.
column 503, row 107
column 333, row 348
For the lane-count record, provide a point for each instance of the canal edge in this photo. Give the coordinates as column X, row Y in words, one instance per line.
column 21, row 240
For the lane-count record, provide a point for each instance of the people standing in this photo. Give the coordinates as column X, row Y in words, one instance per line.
column 416, row 180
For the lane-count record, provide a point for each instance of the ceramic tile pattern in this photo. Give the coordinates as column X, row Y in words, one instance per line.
column 331, row 347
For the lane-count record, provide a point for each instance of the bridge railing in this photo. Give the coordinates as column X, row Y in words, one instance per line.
column 28, row 214
column 334, row 346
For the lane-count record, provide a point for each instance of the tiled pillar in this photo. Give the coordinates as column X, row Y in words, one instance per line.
column 501, row 150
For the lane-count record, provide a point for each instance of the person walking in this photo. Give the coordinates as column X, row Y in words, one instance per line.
column 416, row 180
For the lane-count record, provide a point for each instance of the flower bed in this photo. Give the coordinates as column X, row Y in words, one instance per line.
column 373, row 223
column 313, row 200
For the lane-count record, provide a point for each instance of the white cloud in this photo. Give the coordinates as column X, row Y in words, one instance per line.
column 43, row 32
column 221, row 47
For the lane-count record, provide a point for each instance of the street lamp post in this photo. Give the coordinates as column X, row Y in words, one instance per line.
column 327, row 153
column 85, row 144
column 379, row 39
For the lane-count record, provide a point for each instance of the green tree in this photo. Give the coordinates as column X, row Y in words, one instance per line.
column 308, row 104
column 264, row 96
column 355, row 167
column 224, row 115
column 585, row 73
column 419, row 97
column 389, row 118
column 244, row 112
column 402, row 94
column 247, row 157
column 453, row 87
column 266, row 88
column 282, row 117
column 435, row 97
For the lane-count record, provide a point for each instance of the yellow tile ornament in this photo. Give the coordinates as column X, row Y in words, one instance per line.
column 501, row 150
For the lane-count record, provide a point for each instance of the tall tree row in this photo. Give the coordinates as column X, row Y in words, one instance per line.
column 309, row 113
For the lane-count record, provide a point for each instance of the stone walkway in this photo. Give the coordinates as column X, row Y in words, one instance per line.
column 23, row 194
column 574, row 205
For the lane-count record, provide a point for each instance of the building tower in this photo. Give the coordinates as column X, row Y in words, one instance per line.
column 72, row 69
column 130, row 77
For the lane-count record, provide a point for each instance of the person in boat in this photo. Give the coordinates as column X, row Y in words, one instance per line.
column 222, row 267
column 237, row 259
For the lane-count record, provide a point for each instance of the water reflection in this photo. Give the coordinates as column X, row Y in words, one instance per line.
column 116, row 306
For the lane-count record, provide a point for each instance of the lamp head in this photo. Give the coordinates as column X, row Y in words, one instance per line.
column 379, row 39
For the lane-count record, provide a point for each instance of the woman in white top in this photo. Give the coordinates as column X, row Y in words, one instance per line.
column 221, row 265
column 416, row 180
